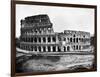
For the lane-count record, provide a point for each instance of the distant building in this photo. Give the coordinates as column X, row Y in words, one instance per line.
column 37, row 35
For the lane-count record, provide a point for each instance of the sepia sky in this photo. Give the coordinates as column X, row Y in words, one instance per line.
column 63, row 18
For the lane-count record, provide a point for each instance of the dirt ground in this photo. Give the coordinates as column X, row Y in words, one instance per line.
column 54, row 63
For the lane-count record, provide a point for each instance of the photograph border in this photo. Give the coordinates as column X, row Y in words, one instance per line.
column 13, row 29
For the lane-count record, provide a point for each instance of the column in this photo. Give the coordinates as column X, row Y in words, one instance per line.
column 46, row 49
column 46, row 39
column 37, row 49
column 51, row 39
column 41, row 49
column 56, row 39
column 37, row 39
column 41, row 39
column 56, row 48
column 51, row 49
column 29, row 48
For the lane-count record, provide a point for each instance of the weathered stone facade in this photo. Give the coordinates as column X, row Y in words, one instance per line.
column 37, row 35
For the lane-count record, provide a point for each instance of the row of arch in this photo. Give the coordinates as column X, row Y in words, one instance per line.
column 51, row 39
column 38, row 31
column 40, row 39
column 53, row 48
column 45, row 48
column 77, row 47
column 75, row 40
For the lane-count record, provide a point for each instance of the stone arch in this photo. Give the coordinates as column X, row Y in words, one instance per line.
column 54, row 39
column 74, row 35
column 39, row 48
column 35, row 48
column 49, row 49
column 68, row 48
column 77, row 40
column 44, row 49
column 59, row 49
column 54, row 49
column 39, row 40
column 31, row 39
column 64, row 49
column 74, row 40
column 49, row 39
column 44, row 39
column 31, row 48
column 79, row 47
column 70, row 39
column 64, row 38
column 76, row 47
column 35, row 39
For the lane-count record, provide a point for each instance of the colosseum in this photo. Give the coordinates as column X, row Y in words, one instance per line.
column 37, row 35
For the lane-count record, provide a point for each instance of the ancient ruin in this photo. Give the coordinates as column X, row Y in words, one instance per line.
column 37, row 35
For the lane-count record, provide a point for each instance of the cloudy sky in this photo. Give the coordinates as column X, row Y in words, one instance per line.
column 63, row 18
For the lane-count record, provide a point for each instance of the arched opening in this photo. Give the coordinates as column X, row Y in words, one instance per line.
column 68, row 48
column 59, row 49
column 54, row 39
column 35, row 39
column 74, row 35
column 70, row 39
column 54, row 49
column 74, row 47
column 39, row 48
column 77, row 47
column 64, row 39
column 31, row 39
column 44, row 49
column 39, row 40
column 49, row 49
column 74, row 40
column 77, row 40
column 44, row 39
column 64, row 49
column 80, row 39
column 31, row 48
column 49, row 39
column 35, row 48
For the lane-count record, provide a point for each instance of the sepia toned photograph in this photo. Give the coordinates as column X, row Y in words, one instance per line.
column 54, row 38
